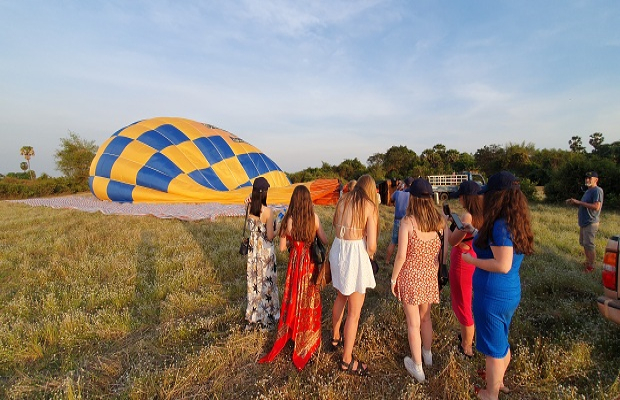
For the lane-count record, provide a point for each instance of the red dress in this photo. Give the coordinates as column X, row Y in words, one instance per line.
column 300, row 314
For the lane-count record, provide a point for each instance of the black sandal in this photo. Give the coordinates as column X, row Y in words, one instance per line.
column 348, row 368
column 336, row 343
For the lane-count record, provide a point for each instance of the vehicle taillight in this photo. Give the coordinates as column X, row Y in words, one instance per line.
column 610, row 262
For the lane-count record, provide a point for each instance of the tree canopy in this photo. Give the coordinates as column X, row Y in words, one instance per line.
column 74, row 156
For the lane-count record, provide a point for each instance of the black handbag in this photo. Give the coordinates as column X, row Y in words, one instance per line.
column 245, row 241
column 442, row 273
column 317, row 251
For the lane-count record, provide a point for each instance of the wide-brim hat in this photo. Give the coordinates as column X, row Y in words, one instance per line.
column 501, row 181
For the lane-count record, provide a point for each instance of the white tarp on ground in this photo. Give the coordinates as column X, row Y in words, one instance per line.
column 182, row 211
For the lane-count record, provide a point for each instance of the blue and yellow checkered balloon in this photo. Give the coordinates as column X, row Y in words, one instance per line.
column 179, row 160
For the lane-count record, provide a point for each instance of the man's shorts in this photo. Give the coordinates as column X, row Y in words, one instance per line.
column 587, row 234
column 395, row 231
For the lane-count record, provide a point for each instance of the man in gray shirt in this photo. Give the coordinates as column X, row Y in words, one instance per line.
column 588, row 217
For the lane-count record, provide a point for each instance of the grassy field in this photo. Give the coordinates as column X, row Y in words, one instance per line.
column 95, row 306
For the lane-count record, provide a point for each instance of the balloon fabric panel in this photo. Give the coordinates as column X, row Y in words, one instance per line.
column 175, row 159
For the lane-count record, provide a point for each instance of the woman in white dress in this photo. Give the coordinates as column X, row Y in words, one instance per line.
column 356, row 223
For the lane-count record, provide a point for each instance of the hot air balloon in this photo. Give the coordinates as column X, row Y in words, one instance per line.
column 169, row 159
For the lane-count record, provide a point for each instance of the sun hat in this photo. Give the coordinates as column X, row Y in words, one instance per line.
column 466, row 188
column 409, row 181
column 501, row 181
column 261, row 184
column 591, row 174
column 420, row 187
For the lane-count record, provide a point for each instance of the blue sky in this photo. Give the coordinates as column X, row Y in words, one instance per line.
column 314, row 81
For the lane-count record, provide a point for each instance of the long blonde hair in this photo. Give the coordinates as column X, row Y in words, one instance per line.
column 427, row 216
column 364, row 190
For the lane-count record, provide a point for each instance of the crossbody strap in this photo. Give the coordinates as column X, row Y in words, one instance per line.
column 245, row 223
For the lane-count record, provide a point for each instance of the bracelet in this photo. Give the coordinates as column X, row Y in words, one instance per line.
column 475, row 232
column 393, row 281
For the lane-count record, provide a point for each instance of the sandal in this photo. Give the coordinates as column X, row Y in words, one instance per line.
column 336, row 343
column 348, row 368
column 461, row 349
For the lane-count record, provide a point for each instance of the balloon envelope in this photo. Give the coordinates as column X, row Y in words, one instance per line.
column 179, row 160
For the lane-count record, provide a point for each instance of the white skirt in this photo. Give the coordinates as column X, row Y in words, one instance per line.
column 350, row 266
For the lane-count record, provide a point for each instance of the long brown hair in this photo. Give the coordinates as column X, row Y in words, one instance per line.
column 364, row 190
column 473, row 205
column 427, row 216
column 301, row 212
column 511, row 205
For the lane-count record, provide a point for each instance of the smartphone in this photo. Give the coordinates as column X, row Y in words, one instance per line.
column 446, row 209
column 457, row 221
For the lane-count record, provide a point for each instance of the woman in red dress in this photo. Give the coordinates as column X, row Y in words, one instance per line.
column 300, row 315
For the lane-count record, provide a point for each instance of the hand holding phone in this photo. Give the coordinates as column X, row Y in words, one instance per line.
column 457, row 221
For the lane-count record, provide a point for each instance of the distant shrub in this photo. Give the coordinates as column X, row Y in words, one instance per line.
column 529, row 189
column 14, row 188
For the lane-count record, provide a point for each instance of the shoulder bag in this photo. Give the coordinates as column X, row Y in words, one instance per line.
column 442, row 273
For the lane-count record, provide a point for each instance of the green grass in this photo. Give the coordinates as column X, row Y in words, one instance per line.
column 95, row 307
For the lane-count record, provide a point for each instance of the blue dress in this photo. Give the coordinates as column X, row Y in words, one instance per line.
column 496, row 296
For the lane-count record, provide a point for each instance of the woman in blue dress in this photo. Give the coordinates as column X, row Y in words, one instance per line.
column 504, row 238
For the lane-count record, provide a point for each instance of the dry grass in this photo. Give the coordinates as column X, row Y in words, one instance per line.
column 95, row 306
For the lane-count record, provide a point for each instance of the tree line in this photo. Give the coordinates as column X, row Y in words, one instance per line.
column 559, row 171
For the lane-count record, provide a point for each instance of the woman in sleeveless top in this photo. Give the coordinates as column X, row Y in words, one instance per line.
column 300, row 318
column 414, row 278
column 356, row 223
column 461, row 272
column 263, row 309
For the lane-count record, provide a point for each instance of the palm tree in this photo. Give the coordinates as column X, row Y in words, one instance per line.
column 27, row 152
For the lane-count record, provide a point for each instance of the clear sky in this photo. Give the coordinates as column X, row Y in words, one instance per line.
column 311, row 81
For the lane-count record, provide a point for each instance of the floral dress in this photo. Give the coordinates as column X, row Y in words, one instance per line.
column 263, row 305
column 301, row 308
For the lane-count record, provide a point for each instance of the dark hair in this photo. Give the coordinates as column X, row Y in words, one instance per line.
column 257, row 201
column 511, row 205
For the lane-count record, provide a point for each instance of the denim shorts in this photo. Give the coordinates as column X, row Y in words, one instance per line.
column 395, row 231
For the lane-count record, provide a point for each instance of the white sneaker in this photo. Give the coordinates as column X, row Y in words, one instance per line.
column 414, row 370
column 427, row 356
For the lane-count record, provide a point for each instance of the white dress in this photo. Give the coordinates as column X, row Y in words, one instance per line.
column 350, row 266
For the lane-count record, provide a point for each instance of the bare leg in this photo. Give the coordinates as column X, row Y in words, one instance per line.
column 426, row 325
column 495, row 370
column 590, row 256
column 412, row 315
column 467, row 339
column 338, row 313
column 390, row 251
column 356, row 301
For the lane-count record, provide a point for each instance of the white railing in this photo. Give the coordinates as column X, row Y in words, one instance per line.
column 446, row 180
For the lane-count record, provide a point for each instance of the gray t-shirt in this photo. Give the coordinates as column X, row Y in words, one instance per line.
column 585, row 216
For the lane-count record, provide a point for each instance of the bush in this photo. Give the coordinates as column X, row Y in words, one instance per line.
column 529, row 189
column 13, row 188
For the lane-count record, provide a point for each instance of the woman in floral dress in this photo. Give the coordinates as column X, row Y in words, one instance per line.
column 414, row 278
column 263, row 309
